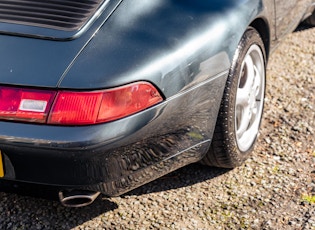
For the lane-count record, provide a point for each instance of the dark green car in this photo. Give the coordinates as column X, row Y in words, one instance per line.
column 102, row 96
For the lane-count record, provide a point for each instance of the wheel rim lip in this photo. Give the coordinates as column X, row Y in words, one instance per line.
column 246, row 140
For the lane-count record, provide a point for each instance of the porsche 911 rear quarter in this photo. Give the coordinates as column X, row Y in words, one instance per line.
column 128, row 93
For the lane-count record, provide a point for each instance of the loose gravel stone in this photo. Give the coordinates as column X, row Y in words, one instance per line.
column 274, row 189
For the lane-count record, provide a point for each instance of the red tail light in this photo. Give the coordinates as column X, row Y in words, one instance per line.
column 25, row 104
column 76, row 108
column 123, row 101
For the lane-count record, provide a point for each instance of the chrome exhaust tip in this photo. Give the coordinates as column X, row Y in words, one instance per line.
column 77, row 198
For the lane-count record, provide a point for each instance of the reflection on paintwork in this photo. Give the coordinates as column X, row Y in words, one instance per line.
column 128, row 182
column 166, row 64
column 136, row 10
column 151, row 157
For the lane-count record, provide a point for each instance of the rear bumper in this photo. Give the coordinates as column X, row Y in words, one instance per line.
column 118, row 156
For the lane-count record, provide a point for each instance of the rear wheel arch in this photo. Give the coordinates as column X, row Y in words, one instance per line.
column 240, row 114
column 263, row 29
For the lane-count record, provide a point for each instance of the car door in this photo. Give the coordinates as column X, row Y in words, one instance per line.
column 288, row 15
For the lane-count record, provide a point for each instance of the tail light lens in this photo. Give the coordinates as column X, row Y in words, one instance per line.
column 25, row 104
column 73, row 108
column 76, row 108
column 123, row 101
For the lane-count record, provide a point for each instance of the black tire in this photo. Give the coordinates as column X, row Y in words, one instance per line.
column 228, row 149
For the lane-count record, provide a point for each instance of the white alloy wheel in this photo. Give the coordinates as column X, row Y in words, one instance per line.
column 249, row 98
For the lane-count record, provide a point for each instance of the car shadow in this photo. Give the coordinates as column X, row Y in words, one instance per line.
column 303, row 26
column 183, row 177
column 32, row 204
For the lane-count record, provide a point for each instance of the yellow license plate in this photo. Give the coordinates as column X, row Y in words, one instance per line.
column 1, row 166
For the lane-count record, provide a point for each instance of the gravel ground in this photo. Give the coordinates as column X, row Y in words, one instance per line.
column 274, row 189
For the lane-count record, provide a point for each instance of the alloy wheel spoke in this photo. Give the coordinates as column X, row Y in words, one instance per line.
column 244, row 121
column 257, row 82
column 242, row 97
column 249, row 65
